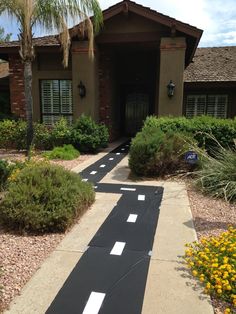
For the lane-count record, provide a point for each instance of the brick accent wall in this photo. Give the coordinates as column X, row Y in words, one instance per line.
column 17, row 93
column 105, row 90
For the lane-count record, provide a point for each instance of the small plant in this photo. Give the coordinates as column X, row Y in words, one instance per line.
column 213, row 262
column 61, row 133
column 217, row 176
column 88, row 136
column 44, row 198
column 67, row 152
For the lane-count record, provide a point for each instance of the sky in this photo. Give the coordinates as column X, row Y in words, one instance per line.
column 216, row 17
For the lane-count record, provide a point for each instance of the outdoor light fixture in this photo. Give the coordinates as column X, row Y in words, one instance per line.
column 82, row 90
column 171, row 89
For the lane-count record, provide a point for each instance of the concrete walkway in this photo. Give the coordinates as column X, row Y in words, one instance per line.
column 169, row 289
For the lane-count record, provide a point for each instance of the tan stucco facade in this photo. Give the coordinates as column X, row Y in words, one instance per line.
column 172, row 64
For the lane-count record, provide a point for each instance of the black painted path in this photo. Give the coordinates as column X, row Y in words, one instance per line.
column 111, row 275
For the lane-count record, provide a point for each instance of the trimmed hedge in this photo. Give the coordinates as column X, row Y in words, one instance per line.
column 45, row 198
column 223, row 130
column 85, row 134
column 157, row 153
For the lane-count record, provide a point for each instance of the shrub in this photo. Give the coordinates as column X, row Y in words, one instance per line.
column 45, row 198
column 61, row 133
column 67, row 152
column 217, row 176
column 88, row 136
column 4, row 173
column 42, row 137
column 224, row 130
column 213, row 262
column 155, row 153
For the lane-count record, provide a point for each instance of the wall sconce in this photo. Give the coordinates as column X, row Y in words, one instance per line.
column 171, row 89
column 82, row 90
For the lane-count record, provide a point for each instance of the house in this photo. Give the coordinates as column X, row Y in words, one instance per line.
column 140, row 55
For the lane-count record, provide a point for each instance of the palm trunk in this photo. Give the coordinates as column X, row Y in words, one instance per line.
column 29, row 105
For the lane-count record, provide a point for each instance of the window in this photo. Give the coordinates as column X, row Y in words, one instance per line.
column 56, row 100
column 212, row 105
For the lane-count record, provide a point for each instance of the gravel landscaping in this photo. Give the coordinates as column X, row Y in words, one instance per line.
column 211, row 217
column 21, row 256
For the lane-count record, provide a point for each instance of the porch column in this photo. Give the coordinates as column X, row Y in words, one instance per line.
column 172, row 64
column 84, row 69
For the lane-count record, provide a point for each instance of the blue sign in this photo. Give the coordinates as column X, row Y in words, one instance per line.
column 191, row 157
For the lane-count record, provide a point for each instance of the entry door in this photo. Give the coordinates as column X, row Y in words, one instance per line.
column 136, row 111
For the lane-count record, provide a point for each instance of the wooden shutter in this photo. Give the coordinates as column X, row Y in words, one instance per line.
column 196, row 105
column 217, row 106
column 66, row 96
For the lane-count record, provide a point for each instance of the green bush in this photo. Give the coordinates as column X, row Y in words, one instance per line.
column 61, row 133
column 223, row 130
column 67, row 152
column 42, row 137
column 4, row 173
column 155, row 153
column 218, row 174
column 88, row 136
column 45, row 198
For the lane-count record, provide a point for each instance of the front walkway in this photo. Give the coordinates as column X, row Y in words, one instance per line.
column 116, row 250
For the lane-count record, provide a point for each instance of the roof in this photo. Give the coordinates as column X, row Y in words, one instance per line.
column 212, row 64
column 193, row 33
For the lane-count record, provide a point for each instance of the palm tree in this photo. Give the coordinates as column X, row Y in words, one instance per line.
column 49, row 15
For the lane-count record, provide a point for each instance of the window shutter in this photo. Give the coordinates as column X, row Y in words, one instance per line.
column 66, row 96
column 50, row 96
column 195, row 106
column 217, row 106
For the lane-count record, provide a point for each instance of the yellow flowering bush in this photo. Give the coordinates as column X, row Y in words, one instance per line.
column 213, row 262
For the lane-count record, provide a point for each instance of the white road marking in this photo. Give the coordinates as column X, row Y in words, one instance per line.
column 128, row 189
column 84, row 180
column 122, row 148
column 102, row 166
column 111, row 158
column 132, row 218
column 118, row 248
column 141, row 197
column 93, row 172
column 95, row 187
column 117, row 153
column 94, row 303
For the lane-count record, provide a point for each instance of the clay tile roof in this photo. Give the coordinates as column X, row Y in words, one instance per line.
column 51, row 40
column 212, row 64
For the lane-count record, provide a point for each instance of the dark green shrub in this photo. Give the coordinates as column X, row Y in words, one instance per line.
column 218, row 174
column 45, row 198
column 42, row 137
column 67, row 152
column 88, row 136
column 155, row 153
column 223, row 130
column 4, row 173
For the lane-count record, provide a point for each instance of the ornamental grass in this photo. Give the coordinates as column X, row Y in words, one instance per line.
column 213, row 262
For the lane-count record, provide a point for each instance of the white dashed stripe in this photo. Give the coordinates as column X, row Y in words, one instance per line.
column 95, row 187
column 122, row 148
column 102, row 166
column 93, row 172
column 84, row 180
column 128, row 189
column 141, row 197
column 117, row 153
column 118, row 248
column 111, row 158
column 94, row 303
column 132, row 218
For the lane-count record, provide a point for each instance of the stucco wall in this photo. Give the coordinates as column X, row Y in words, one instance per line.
column 172, row 63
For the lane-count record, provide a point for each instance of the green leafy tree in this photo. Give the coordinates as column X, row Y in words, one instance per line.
column 49, row 15
column 4, row 37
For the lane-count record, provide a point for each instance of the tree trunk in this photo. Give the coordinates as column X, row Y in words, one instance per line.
column 29, row 105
